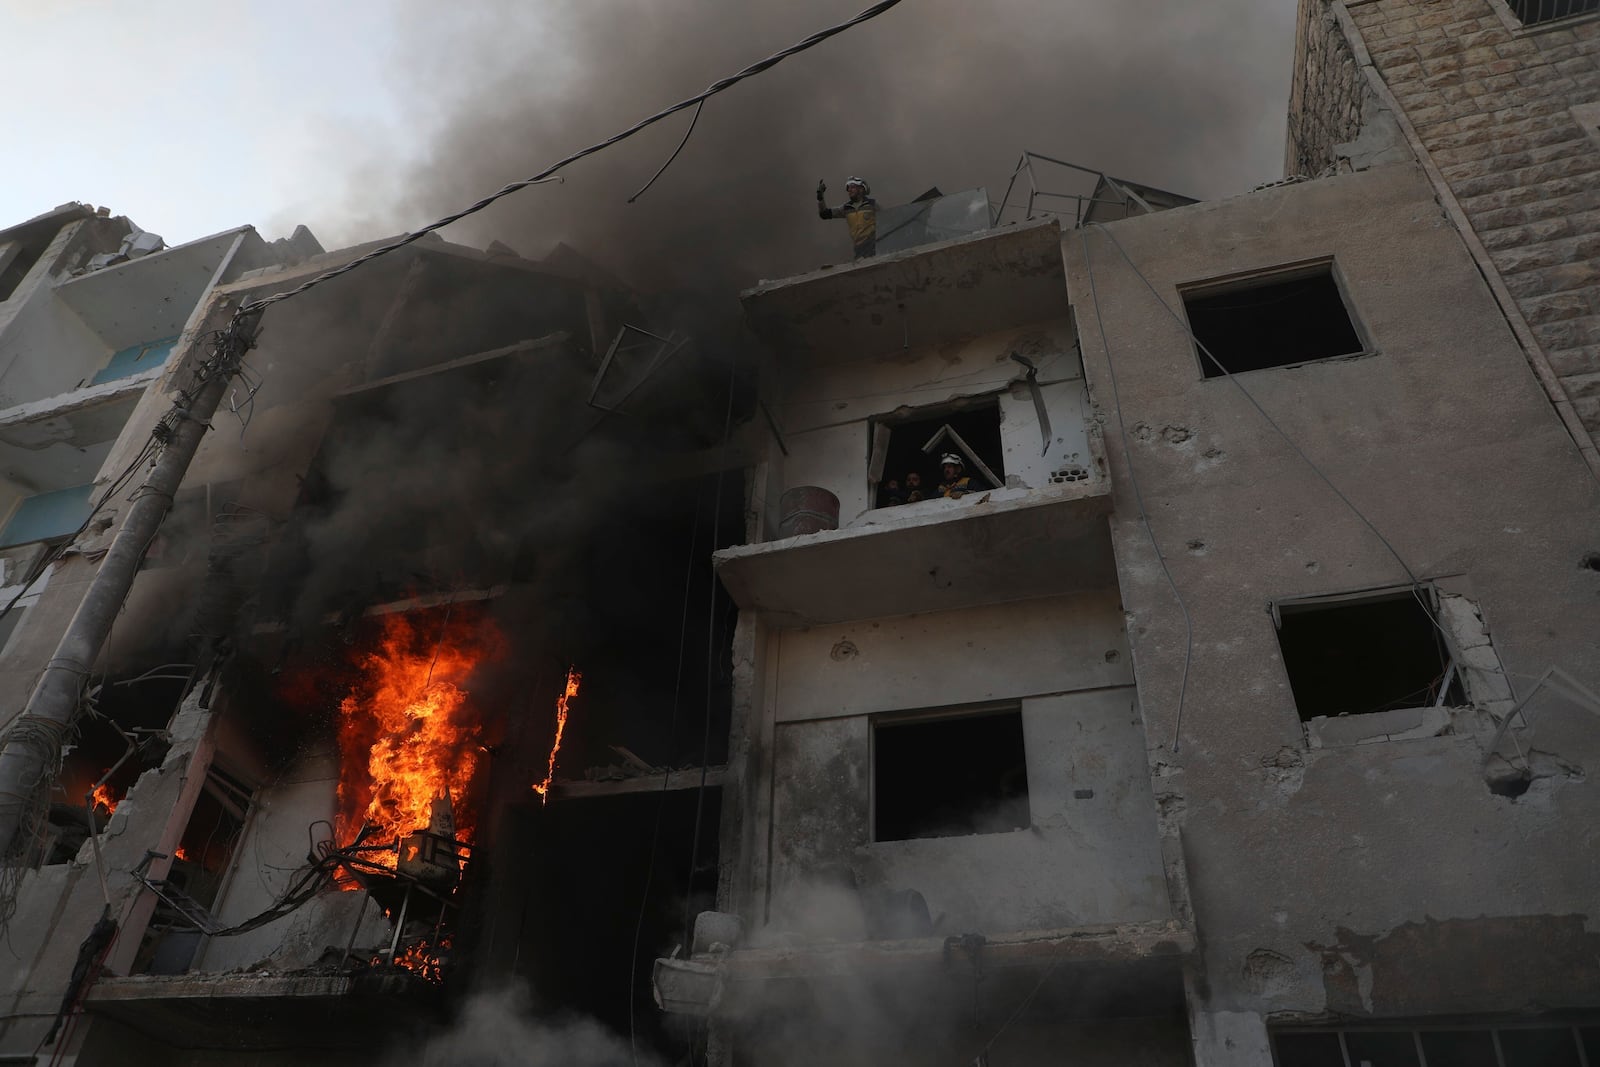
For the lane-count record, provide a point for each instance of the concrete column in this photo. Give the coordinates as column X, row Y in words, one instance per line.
column 1229, row 1039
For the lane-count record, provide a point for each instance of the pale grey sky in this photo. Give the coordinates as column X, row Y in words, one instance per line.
column 191, row 117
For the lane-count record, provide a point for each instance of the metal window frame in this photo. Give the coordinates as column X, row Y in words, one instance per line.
column 1417, row 1029
column 1427, row 588
column 882, row 427
column 665, row 349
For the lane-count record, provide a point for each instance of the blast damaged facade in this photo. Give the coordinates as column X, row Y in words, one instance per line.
column 1161, row 633
column 314, row 779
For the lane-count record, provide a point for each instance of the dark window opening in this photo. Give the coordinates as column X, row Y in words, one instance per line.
column 624, row 889
column 1533, row 12
column 1519, row 1046
column 950, row 775
column 1388, row 1048
column 1278, row 321
column 1308, row 1050
column 1354, row 658
column 906, row 470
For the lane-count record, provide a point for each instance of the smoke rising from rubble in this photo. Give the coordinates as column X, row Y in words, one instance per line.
column 937, row 92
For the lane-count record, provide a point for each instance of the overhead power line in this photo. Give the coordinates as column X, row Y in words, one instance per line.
column 549, row 173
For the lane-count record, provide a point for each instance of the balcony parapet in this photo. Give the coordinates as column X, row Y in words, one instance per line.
column 988, row 547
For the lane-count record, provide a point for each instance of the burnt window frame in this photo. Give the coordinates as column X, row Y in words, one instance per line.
column 1242, row 281
column 919, row 716
column 1453, row 680
column 927, row 413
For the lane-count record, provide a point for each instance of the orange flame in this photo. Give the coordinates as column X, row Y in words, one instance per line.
column 406, row 732
column 562, row 703
column 180, row 853
column 104, row 798
column 424, row 959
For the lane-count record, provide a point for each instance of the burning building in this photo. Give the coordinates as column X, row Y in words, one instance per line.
column 1154, row 631
column 352, row 715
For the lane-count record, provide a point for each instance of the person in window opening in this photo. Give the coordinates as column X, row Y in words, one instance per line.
column 956, row 482
column 914, row 491
column 860, row 214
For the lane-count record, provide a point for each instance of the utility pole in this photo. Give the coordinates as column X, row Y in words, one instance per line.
column 33, row 744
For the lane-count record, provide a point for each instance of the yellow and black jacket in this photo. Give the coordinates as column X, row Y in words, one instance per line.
column 861, row 216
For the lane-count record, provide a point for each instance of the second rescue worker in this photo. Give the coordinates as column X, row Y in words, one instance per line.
column 860, row 213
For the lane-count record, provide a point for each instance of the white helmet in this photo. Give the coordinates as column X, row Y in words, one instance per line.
column 853, row 180
column 951, row 457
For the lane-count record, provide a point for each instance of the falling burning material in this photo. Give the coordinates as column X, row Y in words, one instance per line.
column 562, row 704
column 104, row 798
column 407, row 732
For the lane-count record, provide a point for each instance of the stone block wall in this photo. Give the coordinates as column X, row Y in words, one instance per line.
column 1327, row 96
column 1491, row 106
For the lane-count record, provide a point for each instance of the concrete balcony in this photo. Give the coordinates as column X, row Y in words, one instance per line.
column 924, row 295
column 988, row 547
column 1139, row 963
column 264, row 1011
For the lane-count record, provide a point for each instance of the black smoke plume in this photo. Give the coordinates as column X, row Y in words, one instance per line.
column 1188, row 97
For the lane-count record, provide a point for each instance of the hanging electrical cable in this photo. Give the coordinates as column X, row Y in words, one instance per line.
column 549, row 173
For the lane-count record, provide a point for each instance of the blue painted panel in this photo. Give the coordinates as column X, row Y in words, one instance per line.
column 135, row 359
column 47, row 515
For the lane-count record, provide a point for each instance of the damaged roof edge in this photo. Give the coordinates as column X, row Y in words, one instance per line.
column 867, row 266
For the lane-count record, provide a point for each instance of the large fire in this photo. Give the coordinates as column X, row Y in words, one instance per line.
column 563, row 704
column 407, row 732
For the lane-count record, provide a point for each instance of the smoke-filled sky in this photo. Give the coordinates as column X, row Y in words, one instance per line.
column 368, row 117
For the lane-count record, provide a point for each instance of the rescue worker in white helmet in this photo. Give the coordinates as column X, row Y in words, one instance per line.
column 860, row 214
column 956, row 482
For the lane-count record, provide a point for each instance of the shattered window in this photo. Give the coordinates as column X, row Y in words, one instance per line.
column 1364, row 654
column 1278, row 320
column 950, row 775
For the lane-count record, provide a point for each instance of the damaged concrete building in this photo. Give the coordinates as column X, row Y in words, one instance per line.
column 334, row 684
column 1236, row 709
column 1242, row 712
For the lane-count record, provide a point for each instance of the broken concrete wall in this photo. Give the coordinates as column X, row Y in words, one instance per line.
column 1090, row 855
column 66, row 899
column 826, row 409
column 36, row 331
column 1303, row 862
